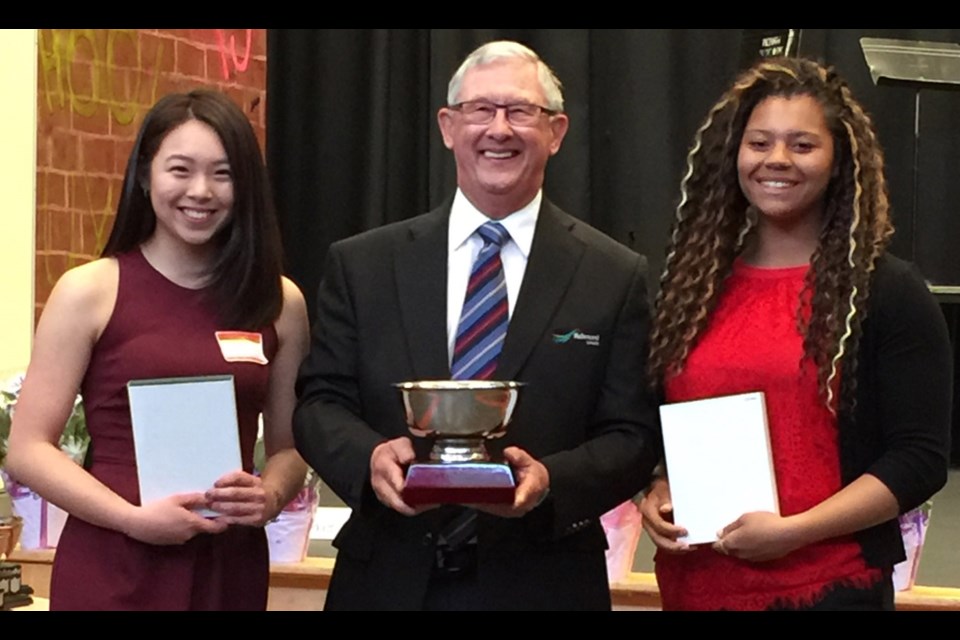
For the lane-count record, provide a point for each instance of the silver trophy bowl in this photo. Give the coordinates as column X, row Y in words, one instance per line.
column 460, row 414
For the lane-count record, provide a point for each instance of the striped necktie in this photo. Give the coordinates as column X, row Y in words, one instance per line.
column 480, row 335
column 485, row 314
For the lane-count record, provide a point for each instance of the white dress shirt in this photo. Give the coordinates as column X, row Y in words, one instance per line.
column 463, row 246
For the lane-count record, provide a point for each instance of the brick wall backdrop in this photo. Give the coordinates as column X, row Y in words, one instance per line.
column 95, row 85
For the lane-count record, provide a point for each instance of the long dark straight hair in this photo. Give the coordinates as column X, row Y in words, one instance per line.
column 245, row 278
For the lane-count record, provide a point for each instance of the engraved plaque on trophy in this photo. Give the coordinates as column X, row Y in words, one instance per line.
column 460, row 416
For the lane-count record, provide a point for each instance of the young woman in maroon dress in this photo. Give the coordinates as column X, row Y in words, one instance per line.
column 194, row 253
column 777, row 280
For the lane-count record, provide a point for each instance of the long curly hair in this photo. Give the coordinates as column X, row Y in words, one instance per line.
column 714, row 218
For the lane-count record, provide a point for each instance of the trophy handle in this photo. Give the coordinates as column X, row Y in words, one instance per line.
column 508, row 415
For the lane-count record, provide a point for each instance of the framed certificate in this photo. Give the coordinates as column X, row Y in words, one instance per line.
column 719, row 462
column 185, row 434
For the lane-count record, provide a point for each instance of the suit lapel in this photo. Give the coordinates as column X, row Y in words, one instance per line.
column 553, row 260
column 421, row 267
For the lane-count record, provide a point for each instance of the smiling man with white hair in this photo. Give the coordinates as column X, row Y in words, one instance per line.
column 397, row 303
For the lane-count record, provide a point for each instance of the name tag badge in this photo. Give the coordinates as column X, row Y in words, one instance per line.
column 241, row 346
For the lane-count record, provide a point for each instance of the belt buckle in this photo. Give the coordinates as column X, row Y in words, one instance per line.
column 451, row 561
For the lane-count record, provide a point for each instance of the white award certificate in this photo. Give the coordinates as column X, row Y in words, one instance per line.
column 719, row 462
column 185, row 434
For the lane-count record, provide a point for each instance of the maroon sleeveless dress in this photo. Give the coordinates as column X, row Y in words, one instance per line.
column 157, row 330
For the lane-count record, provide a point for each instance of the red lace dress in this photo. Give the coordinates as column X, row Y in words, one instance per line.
column 752, row 344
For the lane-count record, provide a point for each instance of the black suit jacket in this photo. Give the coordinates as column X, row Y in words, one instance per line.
column 577, row 337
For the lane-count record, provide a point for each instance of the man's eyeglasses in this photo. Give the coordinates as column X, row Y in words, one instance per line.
column 519, row 114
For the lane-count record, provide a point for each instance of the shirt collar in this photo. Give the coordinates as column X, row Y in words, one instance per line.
column 465, row 219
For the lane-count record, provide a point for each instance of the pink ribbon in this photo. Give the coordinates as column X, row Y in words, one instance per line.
column 15, row 489
column 304, row 500
column 43, row 524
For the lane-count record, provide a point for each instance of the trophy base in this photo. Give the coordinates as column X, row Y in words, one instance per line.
column 459, row 483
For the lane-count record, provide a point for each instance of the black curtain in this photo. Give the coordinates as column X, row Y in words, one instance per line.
column 352, row 141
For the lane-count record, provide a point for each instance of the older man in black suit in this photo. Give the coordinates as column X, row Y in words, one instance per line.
column 574, row 329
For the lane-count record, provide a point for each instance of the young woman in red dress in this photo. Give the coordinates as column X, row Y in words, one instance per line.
column 194, row 252
column 778, row 280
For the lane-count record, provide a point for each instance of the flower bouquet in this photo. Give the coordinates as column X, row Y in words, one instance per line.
column 42, row 521
column 288, row 535
column 913, row 528
column 623, row 526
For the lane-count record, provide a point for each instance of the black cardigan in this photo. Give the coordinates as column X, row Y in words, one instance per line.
column 900, row 430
